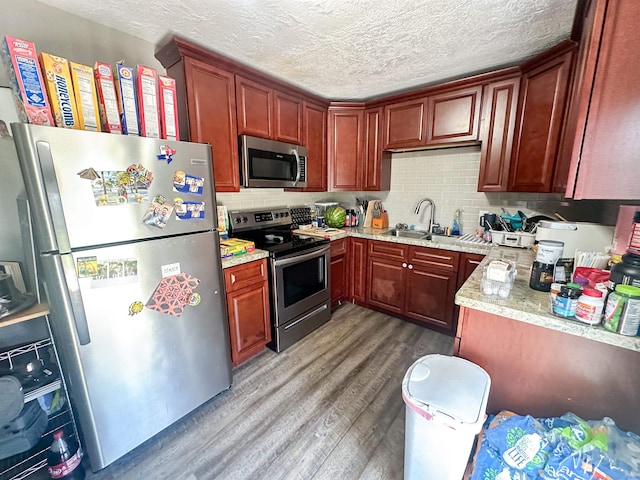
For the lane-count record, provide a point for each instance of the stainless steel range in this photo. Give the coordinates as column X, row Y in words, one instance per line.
column 299, row 270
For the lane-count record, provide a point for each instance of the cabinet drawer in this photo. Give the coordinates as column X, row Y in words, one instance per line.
column 338, row 247
column 435, row 258
column 388, row 250
column 244, row 275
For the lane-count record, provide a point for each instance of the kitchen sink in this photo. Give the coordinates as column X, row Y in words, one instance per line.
column 408, row 234
column 443, row 239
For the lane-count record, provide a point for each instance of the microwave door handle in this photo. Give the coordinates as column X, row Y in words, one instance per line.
column 295, row 152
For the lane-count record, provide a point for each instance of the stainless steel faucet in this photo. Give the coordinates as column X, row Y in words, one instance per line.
column 432, row 210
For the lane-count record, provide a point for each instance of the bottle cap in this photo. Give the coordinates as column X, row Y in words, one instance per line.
column 58, row 434
column 592, row 292
column 628, row 290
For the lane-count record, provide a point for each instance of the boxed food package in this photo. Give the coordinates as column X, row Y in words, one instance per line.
column 84, row 88
column 147, row 87
column 126, row 93
column 60, row 89
column 234, row 246
column 168, row 108
column 107, row 101
column 20, row 61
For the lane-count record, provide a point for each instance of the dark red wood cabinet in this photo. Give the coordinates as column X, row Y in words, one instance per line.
column 541, row 112
column 405, row 123
column 497, row 128
column 604, row 116
column 345, row 143
column 314, row 138
column 376, row 172
column 255, row 108
column 454, row 116
column 358, row 270
column 339, row 272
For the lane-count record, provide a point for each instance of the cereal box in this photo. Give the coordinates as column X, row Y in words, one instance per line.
column 147, row 86
column 21, row 64
column 86, row 96
column 107, row 101
column 126, row 93
column 60, row 89
column 168, row 108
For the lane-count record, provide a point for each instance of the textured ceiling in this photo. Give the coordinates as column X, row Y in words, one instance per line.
column 348, row 49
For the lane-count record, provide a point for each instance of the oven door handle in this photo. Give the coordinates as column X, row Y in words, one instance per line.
column 295, row 152
column 283, row 262
column 310, row 314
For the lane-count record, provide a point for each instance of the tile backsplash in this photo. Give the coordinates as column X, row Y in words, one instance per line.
column 447, row 176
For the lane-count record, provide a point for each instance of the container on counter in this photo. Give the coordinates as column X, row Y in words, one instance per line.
column 590, row 306
column 566, row 302
column 634, row 239
column 622, row 312
column 626, row 272
column 541, row 276
column 553, row 293
column 549, row 251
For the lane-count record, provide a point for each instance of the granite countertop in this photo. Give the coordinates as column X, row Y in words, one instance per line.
column 527, row 305
column 246, row 258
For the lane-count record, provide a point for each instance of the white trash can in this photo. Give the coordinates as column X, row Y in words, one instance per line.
column 446, row 400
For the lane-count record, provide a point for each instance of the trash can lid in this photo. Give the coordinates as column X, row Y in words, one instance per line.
column 452, row 386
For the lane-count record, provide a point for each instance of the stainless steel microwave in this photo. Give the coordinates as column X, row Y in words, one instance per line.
column 267, row 163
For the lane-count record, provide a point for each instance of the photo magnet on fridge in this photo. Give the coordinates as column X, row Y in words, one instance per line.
column 158, row 212
column 185, row 183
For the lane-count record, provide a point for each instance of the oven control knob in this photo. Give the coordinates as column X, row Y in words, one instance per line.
column 245, row 219
column 286, row 214
column 238, row 220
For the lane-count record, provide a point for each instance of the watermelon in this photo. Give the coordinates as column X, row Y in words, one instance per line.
column 335, row 217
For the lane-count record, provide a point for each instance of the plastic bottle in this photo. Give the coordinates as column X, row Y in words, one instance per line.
column 456, row 228
column 64, row 458
column 590, row 306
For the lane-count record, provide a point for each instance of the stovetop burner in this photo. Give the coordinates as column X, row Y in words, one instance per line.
column 270, row 230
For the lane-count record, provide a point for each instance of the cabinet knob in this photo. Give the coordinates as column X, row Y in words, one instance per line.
column 410, row 267
column 404, row 265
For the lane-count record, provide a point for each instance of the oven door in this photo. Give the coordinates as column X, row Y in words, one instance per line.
column 300, row 281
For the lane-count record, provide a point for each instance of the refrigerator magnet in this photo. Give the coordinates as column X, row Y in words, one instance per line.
column 87, row 266
column 172, row 294
column 166, row 153
column 194, row 299
column 135, row 308
column 158, row 212
column 185, row 183
column 190, row 211
column 138, row 174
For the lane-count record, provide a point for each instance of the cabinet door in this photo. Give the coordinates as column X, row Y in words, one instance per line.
column 288, row 118
column 377, row 165
column 607, row 165
column 345, row 149
column 211, row 105
column 430, row 295
column 405, row 124
column 468, row 263
column 339, row 274
column 543, row 94
column 358, row 269
column 454, row 116
column 386, row 284
column 500, row 103
column 255, row 108
column 249, row 321
column 315, row 139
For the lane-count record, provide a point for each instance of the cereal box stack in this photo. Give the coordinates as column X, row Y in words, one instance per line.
column 86, row 96
column 107, row 101
column 60, row 90
column 147, row 85
column 21, row 63
column 168, row 108
column 126, row 92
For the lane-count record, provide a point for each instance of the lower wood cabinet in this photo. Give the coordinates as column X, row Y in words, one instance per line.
column 339, row 272
column 468, row 263
column 358, row 270
column 248, row 309
column 418, row 283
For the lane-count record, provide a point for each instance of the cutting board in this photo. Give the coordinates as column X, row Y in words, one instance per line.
column 323, row 233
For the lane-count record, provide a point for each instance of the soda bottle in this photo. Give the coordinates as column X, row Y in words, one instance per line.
column 65, row 458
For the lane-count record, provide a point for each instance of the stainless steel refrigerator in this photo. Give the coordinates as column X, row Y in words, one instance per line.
column 128, row 257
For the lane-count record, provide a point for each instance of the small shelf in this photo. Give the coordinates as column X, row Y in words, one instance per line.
column 38, row 310
column 48, row 388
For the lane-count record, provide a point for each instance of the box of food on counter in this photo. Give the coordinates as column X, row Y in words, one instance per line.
column 168, row 108
column 126, row 93
column 147, row 88
column 235, row 246
column 108, row 103
column 60, row 89
column 84, row 88
column 20, row 61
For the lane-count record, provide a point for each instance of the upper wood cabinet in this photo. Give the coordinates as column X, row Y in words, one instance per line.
column 377, row 167
column 454, row 116
column 497, row 127
column 345, row 147
column 604, row 114
column 267, row 113
column 314, row 137
column 541, row 111
column 208, row 115
column 405, row 124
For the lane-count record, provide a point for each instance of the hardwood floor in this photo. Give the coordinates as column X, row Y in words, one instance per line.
column 330, row 407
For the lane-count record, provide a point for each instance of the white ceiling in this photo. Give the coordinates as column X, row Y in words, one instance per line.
column 348, row 49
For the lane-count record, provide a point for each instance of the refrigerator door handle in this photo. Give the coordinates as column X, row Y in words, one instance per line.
column 67, row 276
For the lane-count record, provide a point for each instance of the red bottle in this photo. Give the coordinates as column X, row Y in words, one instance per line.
column 65, row 458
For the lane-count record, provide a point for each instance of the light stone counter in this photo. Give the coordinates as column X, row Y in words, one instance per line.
column 246, row 258
column 531, row 306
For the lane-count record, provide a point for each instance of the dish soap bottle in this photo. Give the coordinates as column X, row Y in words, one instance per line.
column 457, row 223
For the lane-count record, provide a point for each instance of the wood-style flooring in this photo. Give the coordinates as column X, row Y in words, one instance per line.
column 330, row 407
